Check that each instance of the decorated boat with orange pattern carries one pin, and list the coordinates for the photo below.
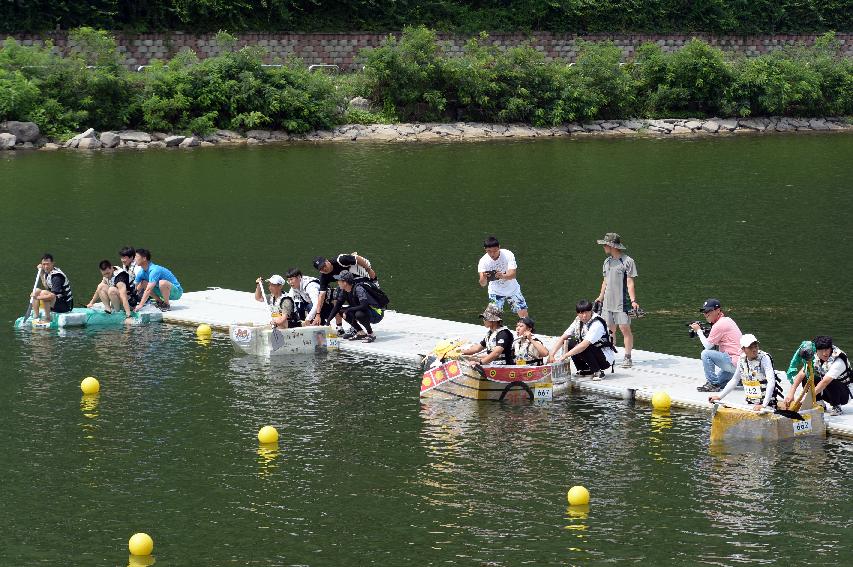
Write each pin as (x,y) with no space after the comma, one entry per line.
(462,378)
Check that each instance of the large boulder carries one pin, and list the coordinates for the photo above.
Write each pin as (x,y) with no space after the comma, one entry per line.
(134,136)
(174,140)
(190,142)
(75,141)
(23,131)
(7,141)
(359,103)
(110,139)
(89,144)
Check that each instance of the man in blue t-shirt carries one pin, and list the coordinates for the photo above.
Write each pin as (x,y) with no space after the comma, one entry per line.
(155,280)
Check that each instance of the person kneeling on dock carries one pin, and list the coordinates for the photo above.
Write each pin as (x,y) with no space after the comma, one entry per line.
(528,349)
(364,308)
(755,370)
(595,349)
(497,342)
(56,296)
(155,280)
(832,375)
(331,270)
(281,304)
(116,290)
(305,291)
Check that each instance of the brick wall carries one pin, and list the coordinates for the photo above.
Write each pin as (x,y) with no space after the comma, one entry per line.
(342,48)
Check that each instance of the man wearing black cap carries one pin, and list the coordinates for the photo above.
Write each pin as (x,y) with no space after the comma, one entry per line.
(330,270)
(721,346)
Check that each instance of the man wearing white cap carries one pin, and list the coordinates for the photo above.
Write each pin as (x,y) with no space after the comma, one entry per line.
(281,305)
(755,370)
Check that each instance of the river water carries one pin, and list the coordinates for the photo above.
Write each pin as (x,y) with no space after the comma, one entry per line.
(364,473)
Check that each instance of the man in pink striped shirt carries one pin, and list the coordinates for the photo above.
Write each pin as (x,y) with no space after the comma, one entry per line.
(721,346)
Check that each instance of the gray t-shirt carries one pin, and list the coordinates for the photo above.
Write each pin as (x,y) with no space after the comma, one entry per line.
(616,272)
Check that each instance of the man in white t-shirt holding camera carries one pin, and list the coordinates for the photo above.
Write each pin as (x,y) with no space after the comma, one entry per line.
(497,268)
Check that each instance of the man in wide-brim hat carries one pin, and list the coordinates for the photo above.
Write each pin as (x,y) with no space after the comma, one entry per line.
(618,295)
(498,340)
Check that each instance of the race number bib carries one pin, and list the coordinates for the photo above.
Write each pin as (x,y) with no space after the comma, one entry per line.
(803,427)
(543,392)
(752,390)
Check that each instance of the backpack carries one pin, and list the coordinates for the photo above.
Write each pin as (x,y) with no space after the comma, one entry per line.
(376,293)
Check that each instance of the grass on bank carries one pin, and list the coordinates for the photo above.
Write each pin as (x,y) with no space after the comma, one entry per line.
(410,79)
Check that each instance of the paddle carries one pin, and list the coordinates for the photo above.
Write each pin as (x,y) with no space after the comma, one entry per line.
(796,405)
(277,337)
(30,303)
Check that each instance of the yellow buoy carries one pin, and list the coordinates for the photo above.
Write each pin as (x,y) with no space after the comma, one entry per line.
(203,330)
(90,385)
(661,401)
(268,434)
(578,496)
(140,544)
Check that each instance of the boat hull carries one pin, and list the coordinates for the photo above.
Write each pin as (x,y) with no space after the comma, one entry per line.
(461,379)
(735,424)
(258,340)
(87,317)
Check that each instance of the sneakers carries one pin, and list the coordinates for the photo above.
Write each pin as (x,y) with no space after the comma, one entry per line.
(350,335)
(598,376)
(626,362)
(340,331)
(584,373)
(835,410)
(368,338)
(164,307)
(708,387)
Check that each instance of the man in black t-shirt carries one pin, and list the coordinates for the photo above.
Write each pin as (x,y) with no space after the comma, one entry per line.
(116,290)
(331,270)
(497,342)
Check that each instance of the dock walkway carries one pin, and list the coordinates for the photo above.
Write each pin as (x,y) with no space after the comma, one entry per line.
(408,337)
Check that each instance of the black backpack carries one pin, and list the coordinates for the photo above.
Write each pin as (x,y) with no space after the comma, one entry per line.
(376,293)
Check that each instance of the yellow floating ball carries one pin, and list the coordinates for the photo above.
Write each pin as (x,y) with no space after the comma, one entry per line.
(268,434)
(578,496)
(140,544)
(90,385)
(203,330)
(661,401)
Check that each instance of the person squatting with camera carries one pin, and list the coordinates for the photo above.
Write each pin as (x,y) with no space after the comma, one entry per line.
(721,346)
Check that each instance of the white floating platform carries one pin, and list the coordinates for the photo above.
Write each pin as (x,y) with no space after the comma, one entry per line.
(408,337)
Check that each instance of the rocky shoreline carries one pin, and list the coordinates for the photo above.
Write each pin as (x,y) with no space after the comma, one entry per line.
(26,135)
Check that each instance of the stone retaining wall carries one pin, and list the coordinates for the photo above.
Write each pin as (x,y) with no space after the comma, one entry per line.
(342,49)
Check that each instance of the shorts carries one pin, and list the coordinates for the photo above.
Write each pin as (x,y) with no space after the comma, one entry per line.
(516,301)
(613,318)
(62,305)
(175,293)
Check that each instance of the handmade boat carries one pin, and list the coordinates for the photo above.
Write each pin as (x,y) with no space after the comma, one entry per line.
(87,317)
(743,424)
(461,378)
(262,340)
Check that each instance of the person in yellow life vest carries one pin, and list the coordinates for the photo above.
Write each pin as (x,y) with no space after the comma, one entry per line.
(755,370)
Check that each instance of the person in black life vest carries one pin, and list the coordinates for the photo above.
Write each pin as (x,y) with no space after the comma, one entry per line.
(363,308)
(281,305)
(56,291)
(331,270)
(595,349)
(527,347)
(497,343)
(832,376)
(116,290)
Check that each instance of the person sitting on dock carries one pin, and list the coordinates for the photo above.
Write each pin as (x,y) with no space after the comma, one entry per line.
(55,294)
(527,347)
(363,308)
(725,336)
(755,370)
(305,291)
(498,341)
(157,281)
(281,304)
(497,269)
(331,270)
(116,290)
(595,348)
(832,375)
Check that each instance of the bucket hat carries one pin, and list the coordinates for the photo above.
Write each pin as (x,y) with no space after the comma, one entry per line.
(613,240)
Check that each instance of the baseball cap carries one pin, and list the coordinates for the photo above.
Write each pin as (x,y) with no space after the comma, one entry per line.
(319,261)
(530,323)
(347,277)
(747,340)
(276,279)
(709,305)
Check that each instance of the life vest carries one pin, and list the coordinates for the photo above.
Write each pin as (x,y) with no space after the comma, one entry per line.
(283,305)
(525,350)
(300,294)
(65,293)
(491,344)
(605,340)
(821,368)
(754,380)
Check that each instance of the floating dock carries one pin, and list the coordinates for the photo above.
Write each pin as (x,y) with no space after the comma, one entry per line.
(407,338)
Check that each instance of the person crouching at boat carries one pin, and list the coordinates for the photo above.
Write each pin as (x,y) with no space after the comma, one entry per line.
(832,375)
(498,341)
(156,281)
(116,291)
(55,293)
(364,310)
(755,370)
(127,256)
(528,349)
(331,270)
(305,291)
(281,304)
(596,347)
(571,338)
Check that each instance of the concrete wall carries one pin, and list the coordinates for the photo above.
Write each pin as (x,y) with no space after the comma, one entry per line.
(342,48)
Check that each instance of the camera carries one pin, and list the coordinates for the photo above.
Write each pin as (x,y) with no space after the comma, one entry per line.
(702,327)
(491,275)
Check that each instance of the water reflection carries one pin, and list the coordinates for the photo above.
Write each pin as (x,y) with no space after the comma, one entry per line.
(267,454)
(140,560)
